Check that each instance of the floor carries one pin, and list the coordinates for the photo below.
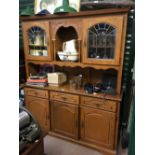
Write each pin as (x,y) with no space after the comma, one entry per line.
(56,146)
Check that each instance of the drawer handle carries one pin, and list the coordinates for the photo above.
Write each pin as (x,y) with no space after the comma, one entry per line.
(35,93)
(98,105)
(64,98)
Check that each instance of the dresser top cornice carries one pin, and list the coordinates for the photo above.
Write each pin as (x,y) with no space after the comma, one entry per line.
(77,14)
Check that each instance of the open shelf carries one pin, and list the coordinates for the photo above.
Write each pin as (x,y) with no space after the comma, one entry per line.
(66,40)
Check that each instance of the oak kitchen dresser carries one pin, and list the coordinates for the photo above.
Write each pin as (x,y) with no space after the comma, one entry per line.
(88,119)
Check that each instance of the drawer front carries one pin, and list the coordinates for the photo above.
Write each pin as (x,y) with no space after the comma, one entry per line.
(74,99)
(36,92)
(99,103)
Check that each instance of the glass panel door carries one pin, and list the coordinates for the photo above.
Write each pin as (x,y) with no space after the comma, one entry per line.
(37,42)
(101,41)
(36,36)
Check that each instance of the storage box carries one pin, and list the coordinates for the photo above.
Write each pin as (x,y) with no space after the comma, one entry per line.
(56,78)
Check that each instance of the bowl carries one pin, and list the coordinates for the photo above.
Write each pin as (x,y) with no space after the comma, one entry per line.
(62,55)
(73,57)
(68,56)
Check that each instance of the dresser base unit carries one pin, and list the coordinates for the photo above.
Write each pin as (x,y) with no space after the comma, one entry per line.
(90,120)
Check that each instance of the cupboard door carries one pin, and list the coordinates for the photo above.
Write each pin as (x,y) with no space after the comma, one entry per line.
(40,109)
(65,119)
(36,36)
(98,127)
(102,40)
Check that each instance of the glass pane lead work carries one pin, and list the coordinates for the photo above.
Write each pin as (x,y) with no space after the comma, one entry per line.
(37,41)
(101,41)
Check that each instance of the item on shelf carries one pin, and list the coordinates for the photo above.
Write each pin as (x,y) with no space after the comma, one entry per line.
(99,87)
(37,84)
(45,69)
(49,5)
(65,8)
(110,91)
(109,81)
(69,52)
(88,87)
(43,12)
(109,84)
(36,36)
(45,53)
(56,78)
(69,46)
(76,82)
(39,39)
(110,88)
(38,76)
(75,4)
(72,84)
(68,56)
(35,52)
(37,80)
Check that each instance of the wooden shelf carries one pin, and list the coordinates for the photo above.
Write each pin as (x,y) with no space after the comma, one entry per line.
(37,45)
(75,64)
(66,89)
(101,46)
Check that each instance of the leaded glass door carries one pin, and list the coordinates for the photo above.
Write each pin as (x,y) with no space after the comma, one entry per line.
(36,39)
(102,40)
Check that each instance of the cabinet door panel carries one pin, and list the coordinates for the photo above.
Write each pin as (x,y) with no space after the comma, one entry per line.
(102,40)
(36,36)
(98,127)
(40,109)
(65,119)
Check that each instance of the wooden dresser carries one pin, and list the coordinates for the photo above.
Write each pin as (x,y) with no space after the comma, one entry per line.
(73,114)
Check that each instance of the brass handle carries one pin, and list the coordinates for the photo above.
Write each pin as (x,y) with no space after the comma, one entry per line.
(97,105)
(64,98)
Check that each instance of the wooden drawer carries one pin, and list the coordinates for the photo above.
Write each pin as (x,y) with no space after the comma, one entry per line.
(99,103)
(36,92)
(64,97)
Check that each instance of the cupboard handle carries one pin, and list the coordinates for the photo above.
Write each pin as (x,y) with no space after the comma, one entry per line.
(82,124)
(85,42)
(76,123)
(46,118)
